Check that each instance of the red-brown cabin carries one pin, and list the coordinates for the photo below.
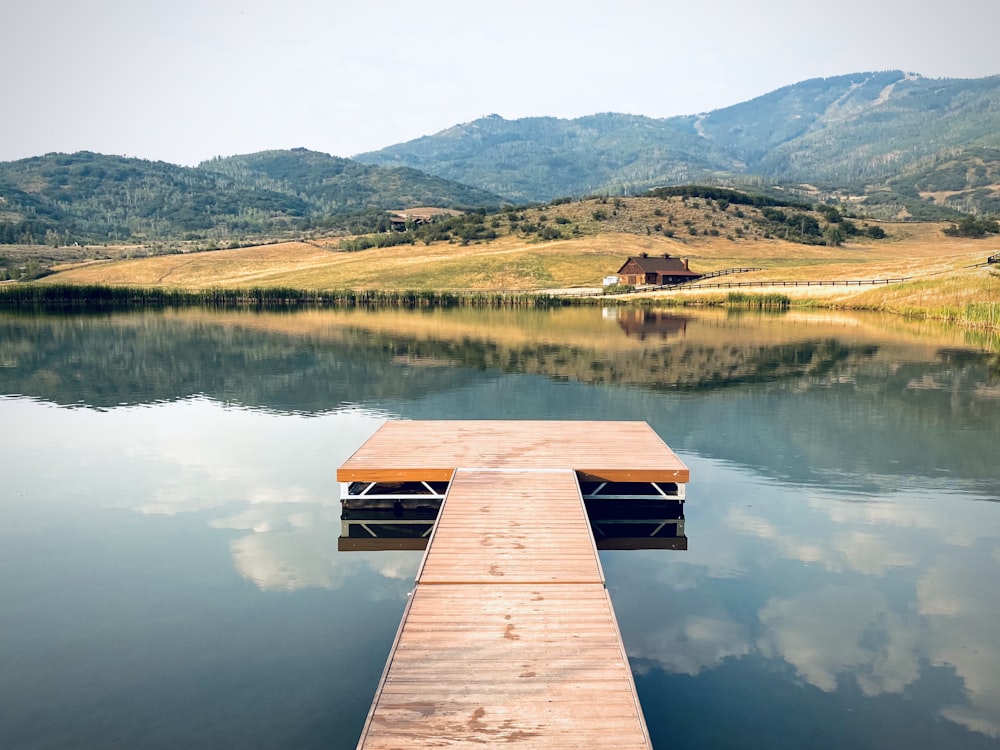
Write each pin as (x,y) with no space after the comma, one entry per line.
(655,270)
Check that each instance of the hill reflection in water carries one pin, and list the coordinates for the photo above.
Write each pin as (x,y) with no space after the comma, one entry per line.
(172,515)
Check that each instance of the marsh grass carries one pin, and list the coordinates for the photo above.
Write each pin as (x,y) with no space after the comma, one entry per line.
(770,301)
(741,300)
(969,298)
(68,296)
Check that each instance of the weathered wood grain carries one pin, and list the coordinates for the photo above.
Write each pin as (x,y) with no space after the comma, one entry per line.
(477,667)
(431,450)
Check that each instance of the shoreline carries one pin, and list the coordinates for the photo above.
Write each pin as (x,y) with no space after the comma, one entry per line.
(983,315)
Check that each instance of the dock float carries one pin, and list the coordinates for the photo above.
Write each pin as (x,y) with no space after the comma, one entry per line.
(509,635)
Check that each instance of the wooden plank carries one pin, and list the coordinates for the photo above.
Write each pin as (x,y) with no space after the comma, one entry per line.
(473,666)
(512,527)
(431,450)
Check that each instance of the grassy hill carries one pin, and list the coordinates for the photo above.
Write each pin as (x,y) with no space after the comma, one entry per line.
(671,212)
(597,235)
(893,145)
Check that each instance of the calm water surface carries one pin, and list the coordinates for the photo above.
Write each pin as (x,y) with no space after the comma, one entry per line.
(169,574)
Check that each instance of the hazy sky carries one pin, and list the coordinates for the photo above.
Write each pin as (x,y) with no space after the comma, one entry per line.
(187,80)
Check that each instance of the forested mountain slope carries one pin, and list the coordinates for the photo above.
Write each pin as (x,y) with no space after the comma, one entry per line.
(87,197)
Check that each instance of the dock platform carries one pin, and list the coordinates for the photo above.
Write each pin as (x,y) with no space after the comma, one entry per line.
(509,635)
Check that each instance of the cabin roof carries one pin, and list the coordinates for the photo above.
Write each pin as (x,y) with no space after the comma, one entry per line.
(661,264)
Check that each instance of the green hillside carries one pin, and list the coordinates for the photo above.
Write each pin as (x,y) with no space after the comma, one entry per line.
(540,158)
(333,186)
(94,198)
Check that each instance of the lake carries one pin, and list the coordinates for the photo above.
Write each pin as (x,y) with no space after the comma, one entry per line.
(169,552)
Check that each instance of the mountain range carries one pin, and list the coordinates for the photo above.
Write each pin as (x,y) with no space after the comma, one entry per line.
(884,135)
(890,144)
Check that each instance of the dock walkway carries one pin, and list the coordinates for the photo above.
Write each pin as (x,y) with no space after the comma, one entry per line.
(509,635)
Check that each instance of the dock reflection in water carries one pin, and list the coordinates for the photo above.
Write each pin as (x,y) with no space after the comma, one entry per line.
(402,516)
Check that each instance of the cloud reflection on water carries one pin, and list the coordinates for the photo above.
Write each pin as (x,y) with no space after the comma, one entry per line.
(872,593)
(960,601)
(841,630)
(271,478)
(308,558)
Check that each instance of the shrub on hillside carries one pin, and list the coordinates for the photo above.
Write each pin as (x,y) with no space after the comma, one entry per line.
(970,226)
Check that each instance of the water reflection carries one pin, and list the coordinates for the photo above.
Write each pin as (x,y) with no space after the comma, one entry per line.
(309,361)
(879,595)
(618,525)
(861,638)
(178,522)
(845,400)
(645,323)
(264,479)
(292,560)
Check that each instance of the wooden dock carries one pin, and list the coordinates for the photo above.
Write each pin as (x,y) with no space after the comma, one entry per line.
(509,635)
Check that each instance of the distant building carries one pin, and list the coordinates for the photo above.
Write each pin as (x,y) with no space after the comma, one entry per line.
(656,270)
(415,217)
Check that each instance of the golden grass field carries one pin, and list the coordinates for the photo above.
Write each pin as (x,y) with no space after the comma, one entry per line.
(938,264)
